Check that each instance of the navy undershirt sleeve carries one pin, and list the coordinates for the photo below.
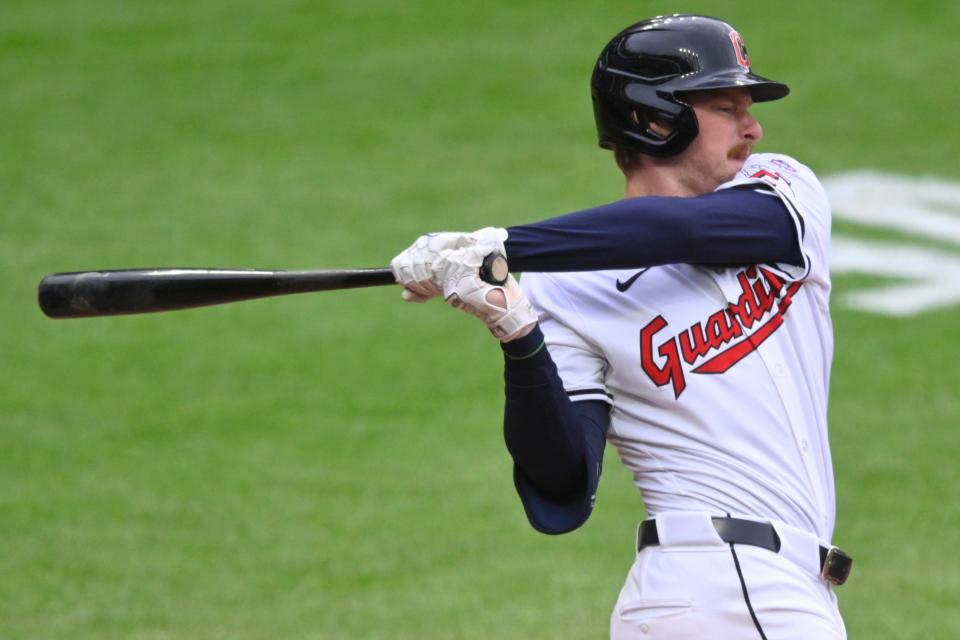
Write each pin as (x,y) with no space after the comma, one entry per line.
(736,226)
(557,445)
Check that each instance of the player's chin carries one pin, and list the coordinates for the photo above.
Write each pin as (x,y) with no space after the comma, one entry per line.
(736,161)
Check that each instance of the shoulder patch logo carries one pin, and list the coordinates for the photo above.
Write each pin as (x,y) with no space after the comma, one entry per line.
(783,164)
(770,177)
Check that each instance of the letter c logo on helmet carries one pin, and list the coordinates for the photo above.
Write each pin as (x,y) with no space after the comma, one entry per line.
(741,50)
(640,72)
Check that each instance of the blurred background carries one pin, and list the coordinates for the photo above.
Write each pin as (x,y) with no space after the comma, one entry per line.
(331,465)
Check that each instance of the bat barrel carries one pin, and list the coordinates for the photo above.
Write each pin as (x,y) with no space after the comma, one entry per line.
(107,293)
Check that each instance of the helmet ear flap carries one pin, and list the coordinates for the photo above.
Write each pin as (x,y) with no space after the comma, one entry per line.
(662,125)
(652,124)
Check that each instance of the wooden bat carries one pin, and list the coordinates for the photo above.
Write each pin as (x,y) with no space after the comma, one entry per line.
(128,291)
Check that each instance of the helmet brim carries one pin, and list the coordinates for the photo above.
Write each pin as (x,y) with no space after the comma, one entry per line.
(761,89)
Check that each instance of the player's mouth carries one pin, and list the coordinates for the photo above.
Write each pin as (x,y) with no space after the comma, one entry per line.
(740,153)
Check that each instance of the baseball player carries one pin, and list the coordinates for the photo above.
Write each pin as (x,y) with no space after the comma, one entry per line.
(688,325)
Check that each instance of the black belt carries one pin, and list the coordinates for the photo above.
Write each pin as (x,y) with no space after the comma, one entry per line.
(835,565)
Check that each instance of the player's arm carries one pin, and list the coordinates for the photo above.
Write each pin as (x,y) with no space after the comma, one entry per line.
(735,226)
(557,448)
(557,445)
(744,225)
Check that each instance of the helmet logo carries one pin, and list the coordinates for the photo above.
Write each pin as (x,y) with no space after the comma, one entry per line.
(741,50)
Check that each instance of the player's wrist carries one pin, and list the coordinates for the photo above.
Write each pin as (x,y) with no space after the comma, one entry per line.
(522,332)
(525,347)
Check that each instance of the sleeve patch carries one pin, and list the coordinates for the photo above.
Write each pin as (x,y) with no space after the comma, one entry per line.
(783,164)
(770,177)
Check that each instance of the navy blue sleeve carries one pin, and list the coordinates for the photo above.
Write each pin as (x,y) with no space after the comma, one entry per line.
(730,227)
(557,445)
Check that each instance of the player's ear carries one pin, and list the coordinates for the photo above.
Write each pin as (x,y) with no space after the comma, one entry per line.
(655,127)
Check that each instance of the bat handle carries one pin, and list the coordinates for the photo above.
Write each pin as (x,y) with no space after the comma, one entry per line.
(494,269)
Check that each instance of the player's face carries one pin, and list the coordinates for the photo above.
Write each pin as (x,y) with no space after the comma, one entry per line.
(728,132)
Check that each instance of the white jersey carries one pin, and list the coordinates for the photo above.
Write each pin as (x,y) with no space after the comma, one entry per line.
(717,378)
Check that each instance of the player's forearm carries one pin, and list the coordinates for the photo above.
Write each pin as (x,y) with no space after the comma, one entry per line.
(544,433)
(728,227)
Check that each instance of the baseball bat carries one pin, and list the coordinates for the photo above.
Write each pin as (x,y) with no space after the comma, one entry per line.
(129,291)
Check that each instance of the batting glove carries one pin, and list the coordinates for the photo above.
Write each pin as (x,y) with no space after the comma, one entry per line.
(504,309)
(413,267)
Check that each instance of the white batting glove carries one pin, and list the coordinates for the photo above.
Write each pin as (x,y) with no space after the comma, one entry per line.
(413,267)
(504,309)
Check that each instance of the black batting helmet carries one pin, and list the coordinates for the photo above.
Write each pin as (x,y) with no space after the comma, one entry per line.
(643,69)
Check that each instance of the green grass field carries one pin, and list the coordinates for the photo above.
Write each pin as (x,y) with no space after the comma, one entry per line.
(331,466)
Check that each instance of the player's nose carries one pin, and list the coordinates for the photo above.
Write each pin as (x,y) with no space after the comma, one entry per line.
(751,128)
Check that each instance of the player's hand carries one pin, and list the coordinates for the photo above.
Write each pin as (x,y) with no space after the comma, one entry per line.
(504,309)
(413,267)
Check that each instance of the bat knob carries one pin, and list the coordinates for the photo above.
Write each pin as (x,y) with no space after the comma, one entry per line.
(495,269)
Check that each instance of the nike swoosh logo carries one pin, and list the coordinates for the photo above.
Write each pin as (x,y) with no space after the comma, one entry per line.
(626,284)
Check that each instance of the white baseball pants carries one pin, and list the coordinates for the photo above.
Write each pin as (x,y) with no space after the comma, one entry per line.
(696,586)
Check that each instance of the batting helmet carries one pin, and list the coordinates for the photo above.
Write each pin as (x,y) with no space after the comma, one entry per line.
(642,73)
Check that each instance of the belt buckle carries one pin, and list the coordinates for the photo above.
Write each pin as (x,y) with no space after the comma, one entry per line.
(836,566)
